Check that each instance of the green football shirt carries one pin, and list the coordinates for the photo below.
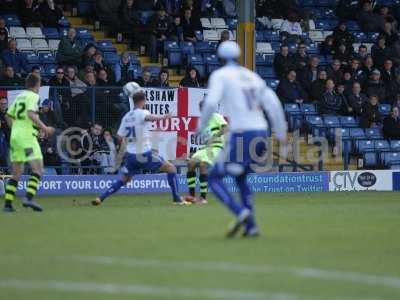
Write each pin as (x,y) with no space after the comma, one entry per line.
(215,124)
(23,127)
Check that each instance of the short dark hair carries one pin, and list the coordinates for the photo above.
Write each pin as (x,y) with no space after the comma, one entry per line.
(139,96)
(32,81)
(35,68)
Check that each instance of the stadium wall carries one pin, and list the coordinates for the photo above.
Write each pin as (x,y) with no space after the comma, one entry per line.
(377,180)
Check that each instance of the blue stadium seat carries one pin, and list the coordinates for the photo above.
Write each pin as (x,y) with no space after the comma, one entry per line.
(271,36)
(260,37)
(106,46)
(50,70)
(395,145)
(308,109)
(51,33)
(137,71)
(32,58)
(362,146)
(266,72)
(187,48)
(205,47)
(64,23)
(331,121)
(373,133)
(384,109)
(212,62)
(390,158)
(314,124)
(373,36)
(357,133)
(382,146)
(154,70)
(370,160)
(197,61)
(348,122)
(199,35)
(12,20)
(47,58)
(272,83)
(352,26)
(170,46)
(232,24)
(360,37)
(294,115)
(111,58)
(83,33)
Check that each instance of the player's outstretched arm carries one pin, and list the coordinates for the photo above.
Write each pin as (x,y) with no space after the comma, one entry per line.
(35,119)
(152,118)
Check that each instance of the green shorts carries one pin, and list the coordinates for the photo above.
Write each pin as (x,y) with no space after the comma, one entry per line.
(24,150)
(207,155)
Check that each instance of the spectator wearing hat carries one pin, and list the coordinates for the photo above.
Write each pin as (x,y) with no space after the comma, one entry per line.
(342,36)
(375,86)
(357,99)
(371,116)
(14,58)
(70,49)
(289,89)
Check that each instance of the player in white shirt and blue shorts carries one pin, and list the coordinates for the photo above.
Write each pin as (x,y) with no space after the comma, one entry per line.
(135,133)
(244,97)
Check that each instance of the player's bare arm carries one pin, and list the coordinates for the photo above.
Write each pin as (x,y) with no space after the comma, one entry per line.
(35,119)
(152,118)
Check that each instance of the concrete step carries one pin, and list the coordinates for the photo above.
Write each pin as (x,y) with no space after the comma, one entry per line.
(77,21)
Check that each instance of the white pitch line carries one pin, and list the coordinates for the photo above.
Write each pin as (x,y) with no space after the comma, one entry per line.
(143,290)
(328,275)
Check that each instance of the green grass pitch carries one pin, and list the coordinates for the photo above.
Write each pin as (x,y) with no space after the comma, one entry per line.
(313,246)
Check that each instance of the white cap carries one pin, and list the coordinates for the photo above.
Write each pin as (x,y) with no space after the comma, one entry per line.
(229,50)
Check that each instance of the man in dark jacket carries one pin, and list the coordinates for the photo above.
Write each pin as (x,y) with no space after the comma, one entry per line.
(108,13)
(342,36)
(10,79)
(189,26)
(283,62)
(145,80)
(375,86)
(29,13)
(381,52)
(160,25)
(309,74)
(391,124)
(290,91)
(50,14)
(70,49)
(368,20)
(357,99)
(371,116)
(301,57)
(330,102)
(16,59)
(318,86)
(334,71)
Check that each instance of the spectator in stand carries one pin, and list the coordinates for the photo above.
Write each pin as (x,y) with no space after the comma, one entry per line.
(301,57)
(291,29)
(86,69)
(346,107)
(342,36)
(49,13)
(191,79)
(36,70)
(130,22)
(162,81)
(394,88)
(387,73)
(176,31)
(160,25)
(380,52)
(3,121)
(60,92)
(356,71)
(327,47)
(309,74)
(368,20)
(384,12)
(225,36)
(368,67)
(111,149)
(145,80)
(362,53)
(390,34)
(100,64)
(173,7)
(49,152)
(391,124)
(70,49)
(371,116)
(290,91)
(330,102)
(29,13)
(10,79)
(145,5)
(107,12)
(14,58)
(318,86)
(79,103)
(357,99)
(334,71)
(283,62)
(103,78)
(347,81)
(343,54)
(375,86)
(88,54)
(47,114)
(124,69)
(189,26)
(3,36)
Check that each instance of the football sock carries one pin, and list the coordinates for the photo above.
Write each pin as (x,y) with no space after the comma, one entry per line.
(203,186)
(113,189)
(191,182)
(11,189)
(33,184)
(222,193)
(174,186)
(246,197)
